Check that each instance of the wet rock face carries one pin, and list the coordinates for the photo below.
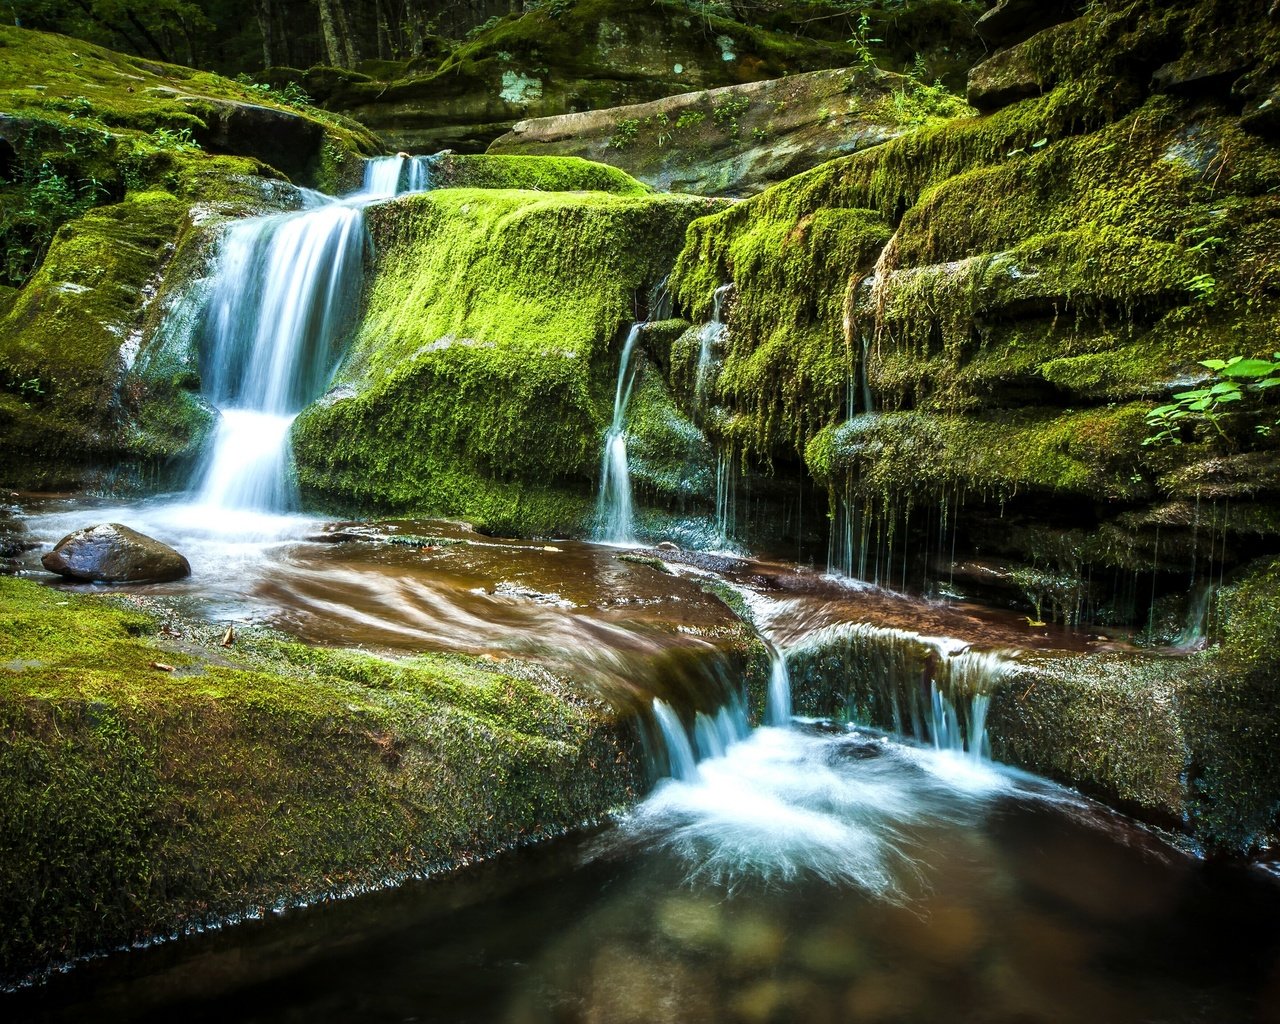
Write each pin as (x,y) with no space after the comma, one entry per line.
(112,553)
(1012,21)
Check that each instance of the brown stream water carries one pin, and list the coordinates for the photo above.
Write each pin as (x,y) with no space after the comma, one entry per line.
(807,873)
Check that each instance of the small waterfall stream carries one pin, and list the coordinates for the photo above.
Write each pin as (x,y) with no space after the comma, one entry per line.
(710,336)
(284,291)
(614,511)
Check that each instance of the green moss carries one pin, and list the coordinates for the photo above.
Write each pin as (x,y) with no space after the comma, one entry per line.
(267,773)
(669,457)
(787,362)
(66,329)
(536,173)
(1090,453)
(482,377)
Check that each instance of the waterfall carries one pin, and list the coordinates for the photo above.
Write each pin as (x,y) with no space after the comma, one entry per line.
(683,763)
(778,705)
(708,338)
(726,500)
(285,288)
(614,513)
(933,689)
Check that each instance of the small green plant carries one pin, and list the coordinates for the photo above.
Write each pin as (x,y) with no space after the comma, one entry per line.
(690,119)
(862,42)
(172,140)
(726,115)
(291,95)
(1238,379)
(1202,288)
(27,389)
(624,133)
(481,29)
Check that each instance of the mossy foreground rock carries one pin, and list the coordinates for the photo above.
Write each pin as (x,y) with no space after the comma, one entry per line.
(113,553)
(267,774)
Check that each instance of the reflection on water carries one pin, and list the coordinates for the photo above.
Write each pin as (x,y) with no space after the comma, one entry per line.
(808,875)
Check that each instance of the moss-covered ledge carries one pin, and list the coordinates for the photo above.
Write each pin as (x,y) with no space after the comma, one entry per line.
(140,802)
(1186,742)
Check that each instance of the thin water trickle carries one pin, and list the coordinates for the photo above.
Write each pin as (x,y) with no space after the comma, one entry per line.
(778,702)
(709,337)
(614,511)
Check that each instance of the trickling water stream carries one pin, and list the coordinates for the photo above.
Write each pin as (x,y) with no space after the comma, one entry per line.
(614,512)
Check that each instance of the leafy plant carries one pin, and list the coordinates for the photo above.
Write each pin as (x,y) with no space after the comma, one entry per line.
(1239,379)
(862,42)
(624,133)
(1202,288)
(291,95)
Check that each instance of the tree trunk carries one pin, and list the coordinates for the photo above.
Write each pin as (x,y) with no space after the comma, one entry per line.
(350,45)
(267,26)
(386,43)
(329,29)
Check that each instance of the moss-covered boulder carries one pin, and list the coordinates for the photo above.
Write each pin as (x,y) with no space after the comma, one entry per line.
(482,377)
(559,58)
(738,139)
(961,331)
(154,786)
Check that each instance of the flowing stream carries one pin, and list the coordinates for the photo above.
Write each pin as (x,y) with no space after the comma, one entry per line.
(614,512)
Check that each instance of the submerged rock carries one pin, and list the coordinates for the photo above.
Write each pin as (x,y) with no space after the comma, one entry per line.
(112,553)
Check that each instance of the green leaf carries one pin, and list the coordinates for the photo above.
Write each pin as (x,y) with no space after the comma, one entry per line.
(1214,364)
(1223,387)
(1270,382)
(1249,368)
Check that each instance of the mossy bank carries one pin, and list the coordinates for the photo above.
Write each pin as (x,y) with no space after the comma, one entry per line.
(259,775)
(961,332)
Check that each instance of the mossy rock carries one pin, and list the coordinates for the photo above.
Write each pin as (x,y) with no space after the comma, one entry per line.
(481,380)
(737,140)
(263,775)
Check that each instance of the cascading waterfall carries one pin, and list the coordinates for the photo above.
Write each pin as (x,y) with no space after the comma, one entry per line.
(924,687)
(614,510)
(778,703)
(284,290)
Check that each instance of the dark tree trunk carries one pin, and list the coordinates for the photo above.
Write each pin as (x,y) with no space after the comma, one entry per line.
(265,11)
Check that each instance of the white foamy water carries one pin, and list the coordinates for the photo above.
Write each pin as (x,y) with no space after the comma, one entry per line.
(282,302)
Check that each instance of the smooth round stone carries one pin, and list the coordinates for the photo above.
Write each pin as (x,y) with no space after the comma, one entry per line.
(112,553)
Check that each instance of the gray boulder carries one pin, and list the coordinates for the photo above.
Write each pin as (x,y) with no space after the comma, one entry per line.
(112,553)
